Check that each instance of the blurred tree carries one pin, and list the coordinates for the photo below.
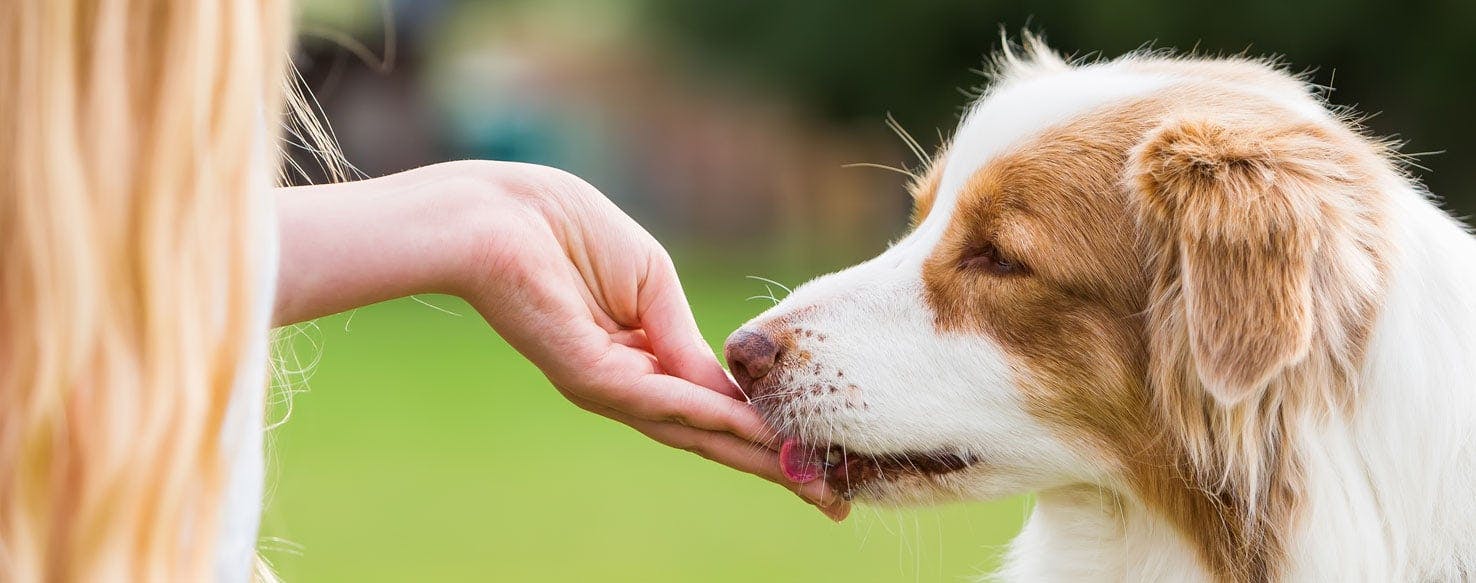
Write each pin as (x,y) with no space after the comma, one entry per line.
(857,60)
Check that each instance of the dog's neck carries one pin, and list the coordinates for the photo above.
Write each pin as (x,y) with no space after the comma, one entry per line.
(1409,456)
(1387,489)
(1088,533)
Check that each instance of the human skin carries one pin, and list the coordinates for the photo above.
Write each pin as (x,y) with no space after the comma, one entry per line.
(556,269)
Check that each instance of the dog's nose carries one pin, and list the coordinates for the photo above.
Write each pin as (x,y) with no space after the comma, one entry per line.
(751,355)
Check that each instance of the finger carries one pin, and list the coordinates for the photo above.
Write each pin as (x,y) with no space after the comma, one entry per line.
(744,457)
(666,398)
(625,350)
(667,319)
(633,338)
(734,453)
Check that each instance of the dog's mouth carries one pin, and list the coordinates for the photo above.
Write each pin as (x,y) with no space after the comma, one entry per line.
(847,471)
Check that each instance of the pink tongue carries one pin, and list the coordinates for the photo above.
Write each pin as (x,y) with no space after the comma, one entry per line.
(801,463)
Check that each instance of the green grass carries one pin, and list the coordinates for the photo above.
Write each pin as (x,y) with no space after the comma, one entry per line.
(426,449)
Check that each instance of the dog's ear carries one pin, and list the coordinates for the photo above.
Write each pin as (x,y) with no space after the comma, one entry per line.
(1234,213)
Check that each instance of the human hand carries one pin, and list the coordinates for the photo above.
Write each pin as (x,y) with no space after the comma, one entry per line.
(593,300)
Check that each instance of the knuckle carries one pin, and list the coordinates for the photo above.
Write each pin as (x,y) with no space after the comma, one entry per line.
(562,183)
(690,412)
(694,444)
(661,261)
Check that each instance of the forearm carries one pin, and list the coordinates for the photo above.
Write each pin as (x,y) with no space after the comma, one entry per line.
(352,244)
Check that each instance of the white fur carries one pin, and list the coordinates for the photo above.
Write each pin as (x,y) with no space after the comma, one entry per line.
(1389,490)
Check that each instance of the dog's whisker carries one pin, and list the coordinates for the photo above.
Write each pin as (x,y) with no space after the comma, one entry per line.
(768,281)
(902,171)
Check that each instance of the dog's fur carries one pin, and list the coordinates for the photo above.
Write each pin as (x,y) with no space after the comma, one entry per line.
(1211,324)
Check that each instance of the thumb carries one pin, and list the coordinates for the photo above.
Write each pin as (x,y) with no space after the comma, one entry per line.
(677,343)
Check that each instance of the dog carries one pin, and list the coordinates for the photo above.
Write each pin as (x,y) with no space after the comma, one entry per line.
(1215,328)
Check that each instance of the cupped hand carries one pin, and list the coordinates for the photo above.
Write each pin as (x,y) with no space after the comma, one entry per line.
(593,300)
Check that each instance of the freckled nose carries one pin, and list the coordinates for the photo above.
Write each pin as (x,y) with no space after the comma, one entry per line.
(751,355)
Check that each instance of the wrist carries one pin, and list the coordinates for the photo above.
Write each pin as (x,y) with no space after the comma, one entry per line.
(352,244)
(467,212)
(492,210)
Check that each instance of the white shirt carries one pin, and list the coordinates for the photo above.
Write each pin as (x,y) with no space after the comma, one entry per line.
(243,431)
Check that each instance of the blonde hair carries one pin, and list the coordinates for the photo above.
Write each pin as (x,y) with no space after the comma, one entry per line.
(128,274)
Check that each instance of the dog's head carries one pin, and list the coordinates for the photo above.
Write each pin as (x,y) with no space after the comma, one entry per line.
(1118,274)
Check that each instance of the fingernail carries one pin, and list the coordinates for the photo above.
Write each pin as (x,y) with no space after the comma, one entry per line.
(818,494)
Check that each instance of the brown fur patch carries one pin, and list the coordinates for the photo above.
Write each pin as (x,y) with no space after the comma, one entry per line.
(1272,228)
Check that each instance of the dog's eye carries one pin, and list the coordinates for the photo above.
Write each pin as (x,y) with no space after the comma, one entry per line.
(988,258)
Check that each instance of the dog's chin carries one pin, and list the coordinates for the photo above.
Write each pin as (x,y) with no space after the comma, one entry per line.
(913,491)
(979,481)
(890,478)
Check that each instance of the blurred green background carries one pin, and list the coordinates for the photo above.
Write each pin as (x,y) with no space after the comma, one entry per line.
(421,448)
